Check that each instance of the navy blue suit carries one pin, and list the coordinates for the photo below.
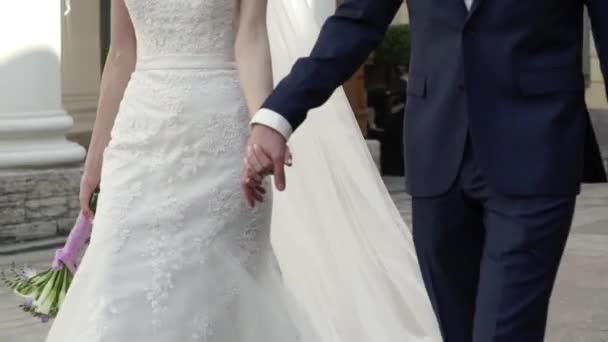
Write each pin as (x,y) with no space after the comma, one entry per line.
(497,141)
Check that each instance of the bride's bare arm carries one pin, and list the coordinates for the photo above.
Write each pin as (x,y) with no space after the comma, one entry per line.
(116,74)
(252,53)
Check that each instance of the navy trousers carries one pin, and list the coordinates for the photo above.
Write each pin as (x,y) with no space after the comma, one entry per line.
(489,261)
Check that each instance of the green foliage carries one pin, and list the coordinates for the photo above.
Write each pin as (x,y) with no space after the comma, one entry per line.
(395,48)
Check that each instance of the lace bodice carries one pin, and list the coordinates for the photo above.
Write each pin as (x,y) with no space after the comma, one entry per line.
(184,27)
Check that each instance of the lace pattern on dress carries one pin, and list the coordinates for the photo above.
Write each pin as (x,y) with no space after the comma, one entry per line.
(160,26)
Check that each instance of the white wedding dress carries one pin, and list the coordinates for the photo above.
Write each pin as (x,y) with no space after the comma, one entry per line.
(176,255)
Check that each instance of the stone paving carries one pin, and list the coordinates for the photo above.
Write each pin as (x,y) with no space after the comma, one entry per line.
(16,325)
(579,310)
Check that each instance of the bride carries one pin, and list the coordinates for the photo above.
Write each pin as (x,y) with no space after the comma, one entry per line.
(176,254)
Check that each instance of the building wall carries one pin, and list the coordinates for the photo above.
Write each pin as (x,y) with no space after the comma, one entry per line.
(402,16)
(596,94)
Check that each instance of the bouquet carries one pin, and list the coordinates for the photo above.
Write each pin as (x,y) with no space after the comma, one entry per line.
(44,292)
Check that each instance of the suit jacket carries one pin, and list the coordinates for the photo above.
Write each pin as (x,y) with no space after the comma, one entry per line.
(507,74)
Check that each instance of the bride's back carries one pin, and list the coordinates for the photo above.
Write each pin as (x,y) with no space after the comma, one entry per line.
(184,27)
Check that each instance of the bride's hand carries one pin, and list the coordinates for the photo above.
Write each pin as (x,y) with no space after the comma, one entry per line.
(255,172)
(267,153)
(88,184)
(252,186)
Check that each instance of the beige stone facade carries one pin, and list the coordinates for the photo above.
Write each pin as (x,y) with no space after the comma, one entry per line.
(81,65)
(596,93)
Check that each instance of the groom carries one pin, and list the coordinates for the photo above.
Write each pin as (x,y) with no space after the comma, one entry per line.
(497,142)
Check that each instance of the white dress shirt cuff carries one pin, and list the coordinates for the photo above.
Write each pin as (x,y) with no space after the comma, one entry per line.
(273,120)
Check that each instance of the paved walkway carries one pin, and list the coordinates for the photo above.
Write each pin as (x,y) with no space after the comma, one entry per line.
(579,310)
(16,325)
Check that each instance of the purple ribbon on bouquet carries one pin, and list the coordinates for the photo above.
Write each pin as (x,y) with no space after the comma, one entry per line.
(68,255)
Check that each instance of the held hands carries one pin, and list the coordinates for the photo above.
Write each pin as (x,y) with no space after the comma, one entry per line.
(267,154)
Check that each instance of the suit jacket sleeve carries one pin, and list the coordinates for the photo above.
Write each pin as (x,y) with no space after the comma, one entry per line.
(598,13)
(346,40)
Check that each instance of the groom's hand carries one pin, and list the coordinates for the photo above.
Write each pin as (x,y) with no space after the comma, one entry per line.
(267,153)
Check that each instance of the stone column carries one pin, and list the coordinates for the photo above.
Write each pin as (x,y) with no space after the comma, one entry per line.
(81,66)
(596,92)
(33,123)
(402,16)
